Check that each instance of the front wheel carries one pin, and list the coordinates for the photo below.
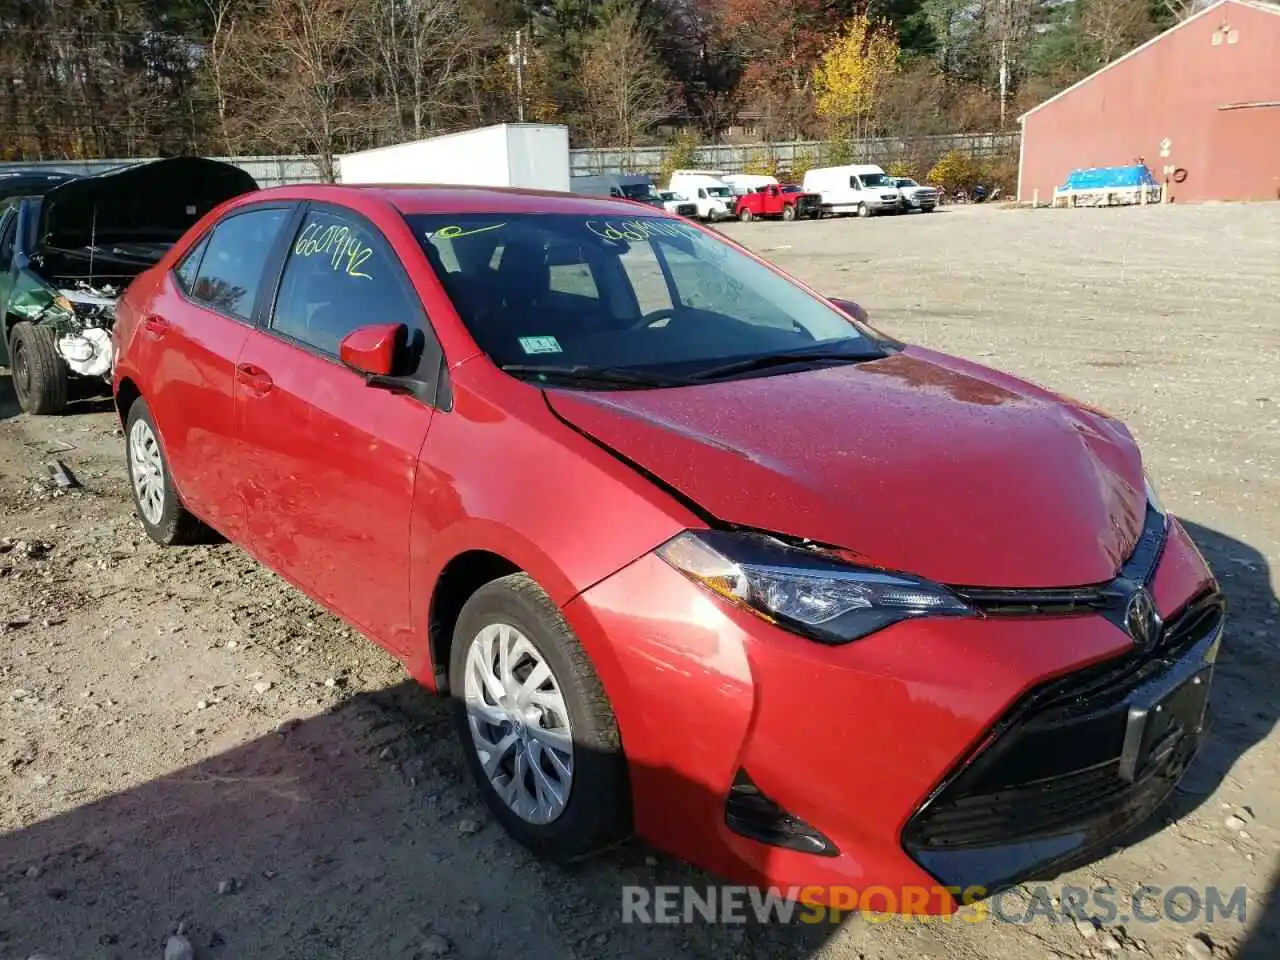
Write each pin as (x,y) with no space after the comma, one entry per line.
(745,215)
(789,212)
(863,210)
(40,376)
(539,733)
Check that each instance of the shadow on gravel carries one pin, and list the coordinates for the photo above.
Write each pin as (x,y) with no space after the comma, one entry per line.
(335,850)
(83,396)
(1246,700)
(357,833)
(8,399)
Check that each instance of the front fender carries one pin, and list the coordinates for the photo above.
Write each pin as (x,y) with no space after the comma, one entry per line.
(501,473)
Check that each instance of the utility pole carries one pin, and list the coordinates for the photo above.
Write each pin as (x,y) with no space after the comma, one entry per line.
(518,58)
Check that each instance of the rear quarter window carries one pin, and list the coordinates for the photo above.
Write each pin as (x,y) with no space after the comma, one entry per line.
(230,271)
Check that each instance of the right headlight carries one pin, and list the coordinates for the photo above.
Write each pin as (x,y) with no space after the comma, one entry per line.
(805,591)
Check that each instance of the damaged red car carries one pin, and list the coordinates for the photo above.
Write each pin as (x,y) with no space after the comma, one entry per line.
(695,551)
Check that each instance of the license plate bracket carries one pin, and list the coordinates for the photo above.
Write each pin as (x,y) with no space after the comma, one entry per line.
(1162,715)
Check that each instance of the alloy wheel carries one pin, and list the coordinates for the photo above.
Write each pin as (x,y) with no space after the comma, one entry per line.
(519,723)
(147,470)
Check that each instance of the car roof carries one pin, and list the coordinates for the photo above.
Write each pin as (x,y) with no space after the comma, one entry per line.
(432,198)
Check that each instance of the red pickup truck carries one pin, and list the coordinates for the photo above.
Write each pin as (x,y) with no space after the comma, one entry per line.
(779,200)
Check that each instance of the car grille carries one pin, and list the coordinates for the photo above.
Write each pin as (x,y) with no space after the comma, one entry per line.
(1072,763)
(807,204)
(1050,774)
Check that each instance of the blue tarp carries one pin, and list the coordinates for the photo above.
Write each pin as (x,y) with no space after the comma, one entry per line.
(1110,178)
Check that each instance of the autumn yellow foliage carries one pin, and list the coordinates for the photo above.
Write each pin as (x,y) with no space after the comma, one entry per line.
(851,75)
(954,171)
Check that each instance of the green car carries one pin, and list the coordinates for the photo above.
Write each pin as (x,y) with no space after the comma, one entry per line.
(70,245)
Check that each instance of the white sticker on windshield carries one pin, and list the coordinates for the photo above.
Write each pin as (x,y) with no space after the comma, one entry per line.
(540,345)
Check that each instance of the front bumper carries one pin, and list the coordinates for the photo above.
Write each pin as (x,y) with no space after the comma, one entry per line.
(925,202)
(867,743)
(1079,760)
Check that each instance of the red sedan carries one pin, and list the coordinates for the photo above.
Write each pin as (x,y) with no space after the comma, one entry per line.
(695,551)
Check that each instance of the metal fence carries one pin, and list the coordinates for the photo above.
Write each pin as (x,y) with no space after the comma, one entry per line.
(792,155)
(273,171)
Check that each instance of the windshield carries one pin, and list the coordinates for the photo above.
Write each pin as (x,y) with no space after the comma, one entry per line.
(642,293)
(876,180)
(639,191)
(906,182)
(792,188)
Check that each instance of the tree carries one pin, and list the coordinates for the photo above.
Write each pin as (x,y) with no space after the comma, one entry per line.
(429,65)
(779,42)
(223,16)
(625,88)
(851,77)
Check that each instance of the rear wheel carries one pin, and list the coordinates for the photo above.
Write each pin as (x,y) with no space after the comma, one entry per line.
(789,212)
(39,374)
(158,505)
(539,733)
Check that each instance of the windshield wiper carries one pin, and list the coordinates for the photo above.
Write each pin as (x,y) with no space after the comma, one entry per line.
(585,374)
(779,359)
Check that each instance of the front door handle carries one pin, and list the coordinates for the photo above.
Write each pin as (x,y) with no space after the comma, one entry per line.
(256,380)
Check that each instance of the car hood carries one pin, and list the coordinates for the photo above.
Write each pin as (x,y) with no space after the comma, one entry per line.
(144,203)
(917,462)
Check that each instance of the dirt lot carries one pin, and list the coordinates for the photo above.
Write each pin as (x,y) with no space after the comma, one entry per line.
(186,741)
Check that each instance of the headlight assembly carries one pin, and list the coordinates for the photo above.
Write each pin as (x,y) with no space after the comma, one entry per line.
(802,590)
(1152,497)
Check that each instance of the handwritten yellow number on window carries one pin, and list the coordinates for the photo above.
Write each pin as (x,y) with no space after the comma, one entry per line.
(455,231)
(346,253)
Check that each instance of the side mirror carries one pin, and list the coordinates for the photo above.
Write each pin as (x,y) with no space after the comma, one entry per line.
(853,309)
(374,349)
(856,311)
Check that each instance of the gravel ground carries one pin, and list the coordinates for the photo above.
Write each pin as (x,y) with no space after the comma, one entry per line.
(188,746)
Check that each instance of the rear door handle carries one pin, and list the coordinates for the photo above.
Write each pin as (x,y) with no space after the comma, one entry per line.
(256,380)
(155,325)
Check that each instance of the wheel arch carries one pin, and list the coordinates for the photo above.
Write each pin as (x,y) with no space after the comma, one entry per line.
(127,393)
(459,579)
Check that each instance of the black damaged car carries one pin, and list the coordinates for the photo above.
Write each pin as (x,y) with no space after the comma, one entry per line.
(69,245)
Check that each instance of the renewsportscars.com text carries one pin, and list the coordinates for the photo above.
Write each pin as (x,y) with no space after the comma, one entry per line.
(1043,904)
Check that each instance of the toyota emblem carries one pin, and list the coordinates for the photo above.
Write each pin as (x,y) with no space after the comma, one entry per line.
(1141,619)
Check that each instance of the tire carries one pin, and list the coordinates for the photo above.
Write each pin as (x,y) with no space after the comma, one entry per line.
(864,211)
(596,811)
(745,215)
(789,212)
(39,375)
(171,524)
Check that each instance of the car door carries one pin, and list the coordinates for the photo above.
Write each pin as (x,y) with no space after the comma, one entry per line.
(8,236)
(331,462)
(187,343)
(772,200)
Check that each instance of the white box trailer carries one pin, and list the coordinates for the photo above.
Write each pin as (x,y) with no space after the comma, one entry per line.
(533,155)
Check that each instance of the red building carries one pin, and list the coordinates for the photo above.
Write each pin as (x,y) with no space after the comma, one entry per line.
(1199,105)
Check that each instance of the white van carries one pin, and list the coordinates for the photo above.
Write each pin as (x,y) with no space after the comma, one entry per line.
(744,183)
(706,188)
(861,188)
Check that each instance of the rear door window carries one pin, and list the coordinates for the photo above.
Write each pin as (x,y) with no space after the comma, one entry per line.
(230,272)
